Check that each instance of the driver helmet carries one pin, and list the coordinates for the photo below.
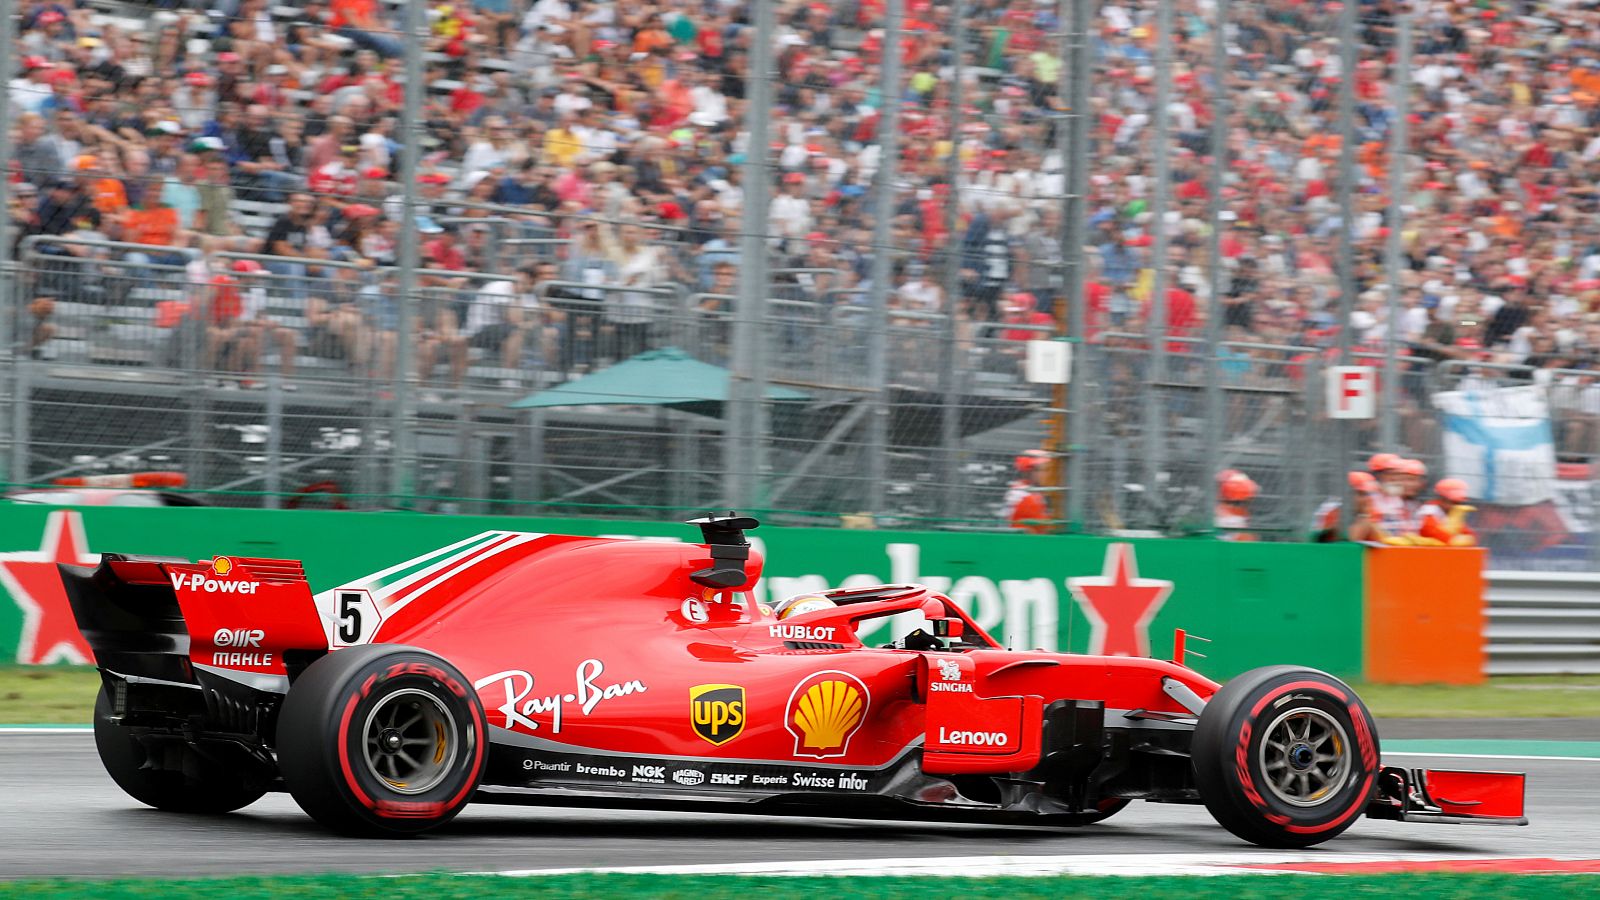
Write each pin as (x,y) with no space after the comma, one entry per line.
(801,603)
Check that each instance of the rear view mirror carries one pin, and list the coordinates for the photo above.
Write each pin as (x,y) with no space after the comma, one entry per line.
(940,622)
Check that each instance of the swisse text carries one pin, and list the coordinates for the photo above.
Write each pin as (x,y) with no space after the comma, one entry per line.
(848,781)
(802,632)
(974,738)
(201,583)
(587,695)
(238,637)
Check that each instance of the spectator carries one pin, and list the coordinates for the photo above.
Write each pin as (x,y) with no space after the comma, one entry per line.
(497,322)
(263,172)
(38,155)
(291,239)
(358,21)
(156,225)
(631,313)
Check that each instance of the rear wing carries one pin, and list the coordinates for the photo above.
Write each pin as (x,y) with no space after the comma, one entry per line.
(158,617)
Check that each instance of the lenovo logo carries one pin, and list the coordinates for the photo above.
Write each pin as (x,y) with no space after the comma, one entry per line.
(974,738)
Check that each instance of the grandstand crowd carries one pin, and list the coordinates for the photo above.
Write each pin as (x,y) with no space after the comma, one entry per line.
(254,149)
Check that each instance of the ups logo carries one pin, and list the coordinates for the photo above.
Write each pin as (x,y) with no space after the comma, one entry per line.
(717,711)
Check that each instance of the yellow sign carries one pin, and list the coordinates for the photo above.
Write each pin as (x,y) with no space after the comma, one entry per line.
(717,712)
(824,712)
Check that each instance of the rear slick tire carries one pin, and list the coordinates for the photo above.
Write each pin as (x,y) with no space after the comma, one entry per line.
(1285,757)
(381,741)
(185,781)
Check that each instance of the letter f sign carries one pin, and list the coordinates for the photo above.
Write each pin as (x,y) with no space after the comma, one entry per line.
(1352,392)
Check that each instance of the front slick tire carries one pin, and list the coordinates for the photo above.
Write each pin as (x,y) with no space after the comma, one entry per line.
(381,741)
(1285,756)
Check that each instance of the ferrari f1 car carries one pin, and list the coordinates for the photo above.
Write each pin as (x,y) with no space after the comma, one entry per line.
(559,670)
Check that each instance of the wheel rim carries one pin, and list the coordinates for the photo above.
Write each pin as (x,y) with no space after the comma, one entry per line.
(409,741)
(1305,756)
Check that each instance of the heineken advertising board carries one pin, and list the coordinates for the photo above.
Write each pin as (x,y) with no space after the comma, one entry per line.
(1256,603)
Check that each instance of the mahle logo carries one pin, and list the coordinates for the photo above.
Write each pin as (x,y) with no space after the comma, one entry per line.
(717,712)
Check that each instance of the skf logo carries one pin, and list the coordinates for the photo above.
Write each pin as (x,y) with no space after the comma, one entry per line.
(824,712)
(717,712)
(221,565)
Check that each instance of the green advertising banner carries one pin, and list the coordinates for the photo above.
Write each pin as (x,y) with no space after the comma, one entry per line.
(1258,604)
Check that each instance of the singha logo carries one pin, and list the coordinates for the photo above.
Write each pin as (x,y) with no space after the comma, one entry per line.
(949,670)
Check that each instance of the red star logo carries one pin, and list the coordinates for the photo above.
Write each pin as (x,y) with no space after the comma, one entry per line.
(1119,604)
(49,632)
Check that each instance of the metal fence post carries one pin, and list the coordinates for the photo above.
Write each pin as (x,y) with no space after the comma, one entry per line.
(1212,451)
(1156,325)
(1389,425)
(20,409)
(273,481)
(8,275)
(403,461)
(949,383)
(883,262)
(744,429)
(1073,400)
(1347,281)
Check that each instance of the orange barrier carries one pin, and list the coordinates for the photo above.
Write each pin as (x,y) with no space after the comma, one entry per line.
(1424,615)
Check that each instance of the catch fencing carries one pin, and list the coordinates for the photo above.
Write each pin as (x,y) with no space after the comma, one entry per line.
(277,382)
(851,288)
(1543,623)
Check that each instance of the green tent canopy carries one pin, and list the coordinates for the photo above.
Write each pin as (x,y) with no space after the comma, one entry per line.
(667,377)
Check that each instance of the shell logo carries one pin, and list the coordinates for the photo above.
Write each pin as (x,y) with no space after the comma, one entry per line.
(221,565)
(824,712)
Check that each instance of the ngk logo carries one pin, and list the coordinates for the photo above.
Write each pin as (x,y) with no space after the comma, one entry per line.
(238,637)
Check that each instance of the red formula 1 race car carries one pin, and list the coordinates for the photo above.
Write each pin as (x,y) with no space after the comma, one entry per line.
(549,669)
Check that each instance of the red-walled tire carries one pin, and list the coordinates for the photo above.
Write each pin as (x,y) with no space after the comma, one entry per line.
(1285,756)
(381,741)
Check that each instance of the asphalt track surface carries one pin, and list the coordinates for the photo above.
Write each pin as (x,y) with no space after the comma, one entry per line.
(64,817)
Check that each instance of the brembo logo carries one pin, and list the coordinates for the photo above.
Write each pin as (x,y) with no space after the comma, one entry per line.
(201,583)
(974,738)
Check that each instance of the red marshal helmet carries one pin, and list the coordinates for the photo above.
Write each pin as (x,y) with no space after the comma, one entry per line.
(1239,488)
(1452,489)
(1383,462)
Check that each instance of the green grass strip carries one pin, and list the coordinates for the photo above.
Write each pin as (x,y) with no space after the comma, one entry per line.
(728,887)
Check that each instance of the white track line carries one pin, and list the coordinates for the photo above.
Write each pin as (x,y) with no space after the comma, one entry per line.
(46,729)
(1133,864)
(1492,756)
